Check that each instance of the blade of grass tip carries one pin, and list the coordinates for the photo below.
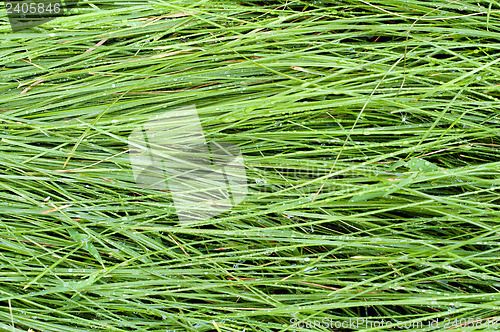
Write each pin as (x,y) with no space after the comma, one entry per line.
(458,79)
(11,316)
(88,128)
(408,37)
(488,16)
(53,265)
(270,69)
(438,119)
(216,326)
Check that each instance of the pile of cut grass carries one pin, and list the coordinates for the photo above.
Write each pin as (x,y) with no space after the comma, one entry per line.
(371,141)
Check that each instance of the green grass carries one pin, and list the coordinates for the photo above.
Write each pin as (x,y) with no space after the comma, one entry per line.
(371,141)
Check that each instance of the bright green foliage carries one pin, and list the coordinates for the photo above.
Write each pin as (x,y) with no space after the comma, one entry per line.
(371,136)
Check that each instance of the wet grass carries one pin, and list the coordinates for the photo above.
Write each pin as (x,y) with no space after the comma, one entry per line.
(371,140)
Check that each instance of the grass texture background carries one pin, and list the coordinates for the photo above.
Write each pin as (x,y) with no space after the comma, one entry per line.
(371,141)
